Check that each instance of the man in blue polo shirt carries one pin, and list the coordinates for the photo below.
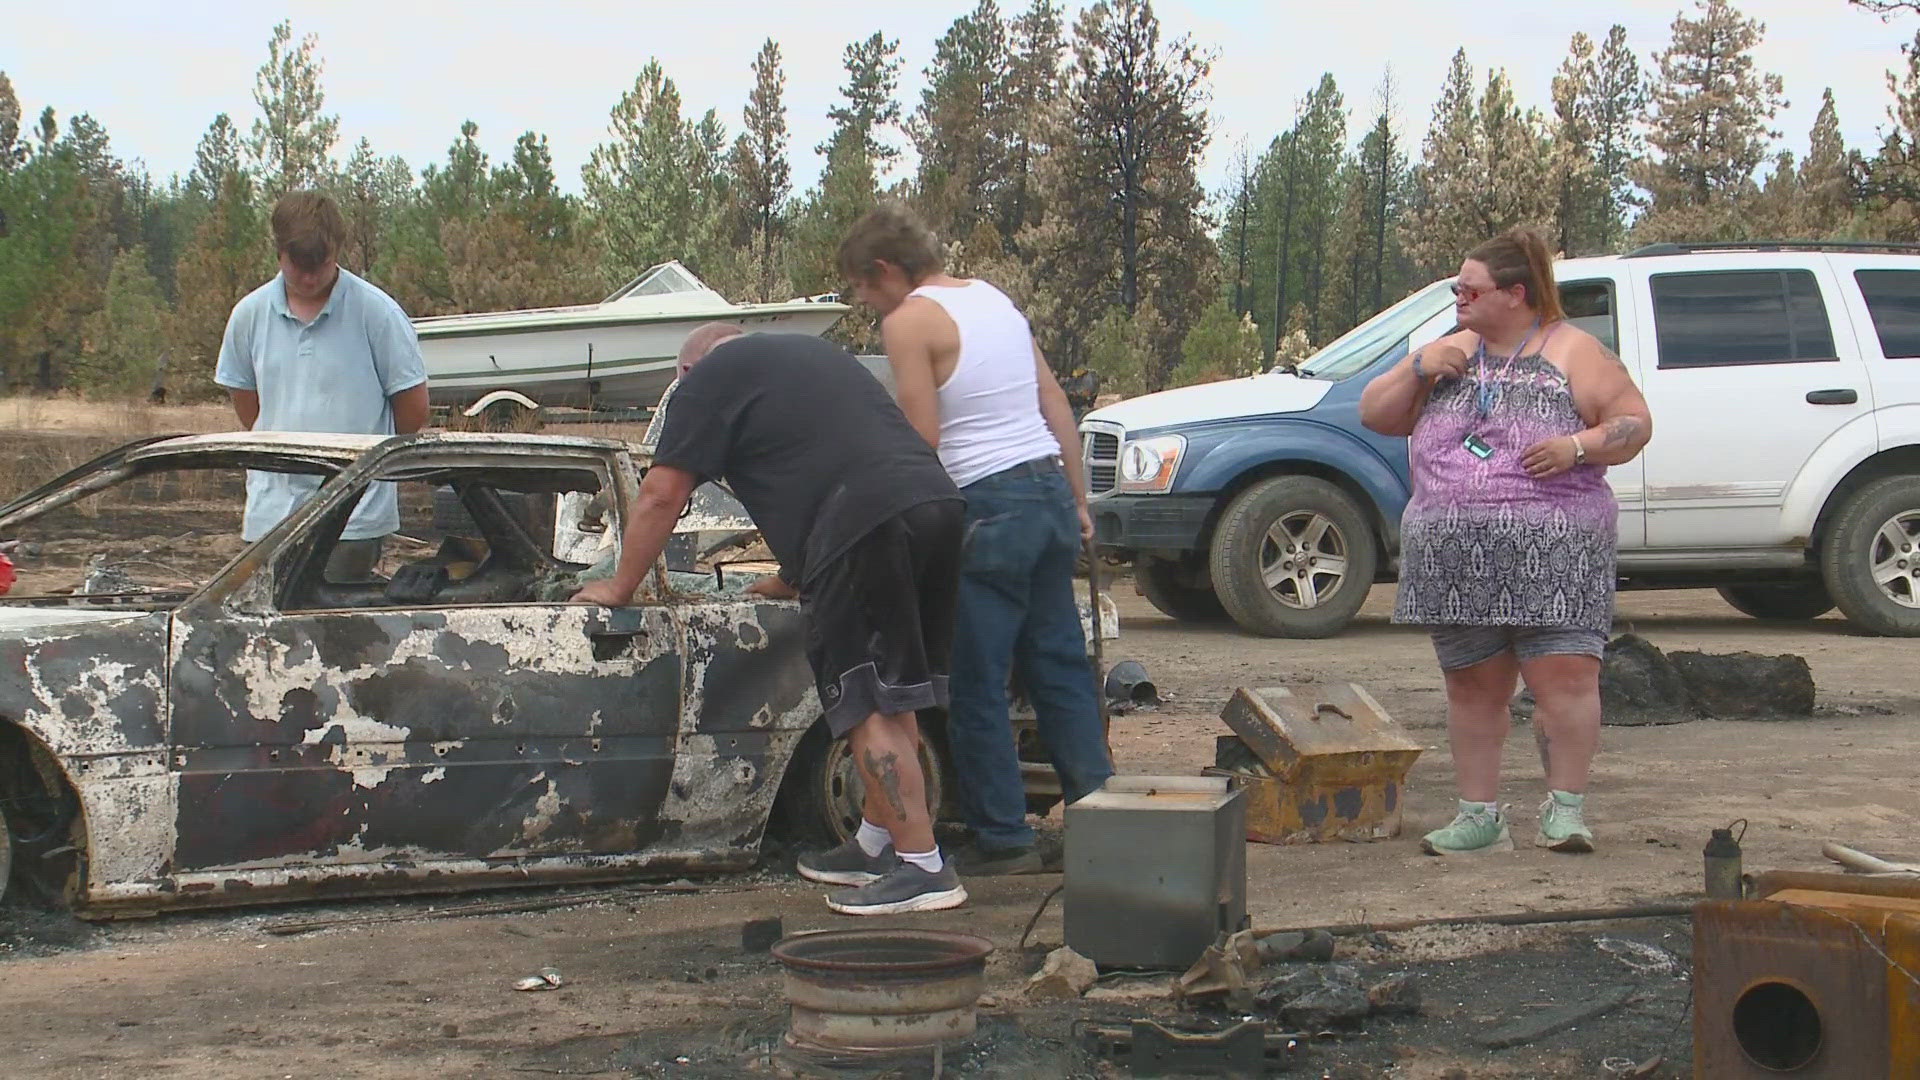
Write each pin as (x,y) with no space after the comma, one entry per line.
(320,349)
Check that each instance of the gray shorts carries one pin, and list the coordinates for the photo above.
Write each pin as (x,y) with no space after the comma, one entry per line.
(1464,646)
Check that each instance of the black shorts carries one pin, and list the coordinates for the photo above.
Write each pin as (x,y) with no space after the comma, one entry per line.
(880,617)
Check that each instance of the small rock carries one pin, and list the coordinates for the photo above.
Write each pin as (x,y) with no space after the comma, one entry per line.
(988,1001)
(1396,995)
(1316,998)
(451,1031)
(1066,974)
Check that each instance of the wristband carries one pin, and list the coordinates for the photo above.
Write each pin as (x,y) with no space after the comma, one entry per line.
(1417,373)
(1579,451)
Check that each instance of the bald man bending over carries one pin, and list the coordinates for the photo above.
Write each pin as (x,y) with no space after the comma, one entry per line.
(867,528)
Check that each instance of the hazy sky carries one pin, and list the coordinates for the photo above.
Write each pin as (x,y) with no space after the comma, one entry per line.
(405,74)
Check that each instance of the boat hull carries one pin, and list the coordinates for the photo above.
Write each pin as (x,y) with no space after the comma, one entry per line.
(580,362)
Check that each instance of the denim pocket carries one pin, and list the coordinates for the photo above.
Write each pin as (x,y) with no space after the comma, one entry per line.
(998,546)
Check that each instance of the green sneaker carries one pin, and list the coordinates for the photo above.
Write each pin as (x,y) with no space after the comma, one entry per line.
(1563,826)
(1474,830)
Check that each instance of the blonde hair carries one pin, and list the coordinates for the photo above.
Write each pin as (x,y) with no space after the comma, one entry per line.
(1520,257)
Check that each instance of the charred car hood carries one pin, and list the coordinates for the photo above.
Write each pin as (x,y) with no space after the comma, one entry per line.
(17,619)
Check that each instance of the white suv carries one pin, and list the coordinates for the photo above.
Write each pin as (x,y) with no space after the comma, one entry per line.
(1784,381)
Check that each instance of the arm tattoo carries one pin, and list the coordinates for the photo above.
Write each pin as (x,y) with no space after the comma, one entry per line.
(1621,431)
(1613,356)
(886,769)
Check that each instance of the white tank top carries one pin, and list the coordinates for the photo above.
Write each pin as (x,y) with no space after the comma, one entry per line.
(990,406)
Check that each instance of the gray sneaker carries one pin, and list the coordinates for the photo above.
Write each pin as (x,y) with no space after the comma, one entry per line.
(907,888)
(846,865)
(976,861)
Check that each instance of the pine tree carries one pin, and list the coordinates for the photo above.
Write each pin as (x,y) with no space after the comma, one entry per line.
(1828,178)
(1236,239)
(1578,188)
(13,152)
(1893,176)
(229,256)
(871,107)
(1487,167)
(1034,83)
(961,161)
(650,188)
(1124,224)
(126,336)
(293,139)
(1618,100)
(1322,142)
(760,166)
(1709,124)
(1384,172)
(217,155)
(1434,232)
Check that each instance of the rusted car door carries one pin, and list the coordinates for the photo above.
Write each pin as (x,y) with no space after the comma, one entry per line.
(448,738)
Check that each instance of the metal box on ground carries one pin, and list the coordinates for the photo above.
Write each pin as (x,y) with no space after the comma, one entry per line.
(1818,979)
(1156,869)
(1317,762)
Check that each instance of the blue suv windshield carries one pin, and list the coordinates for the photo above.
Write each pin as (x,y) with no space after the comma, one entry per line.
(1359,347)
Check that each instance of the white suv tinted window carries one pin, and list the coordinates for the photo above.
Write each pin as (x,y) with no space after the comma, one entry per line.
(1893,299)
(1589,306)
(1740,317)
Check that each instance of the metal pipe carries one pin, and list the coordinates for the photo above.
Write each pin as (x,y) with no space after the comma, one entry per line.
(1506,918)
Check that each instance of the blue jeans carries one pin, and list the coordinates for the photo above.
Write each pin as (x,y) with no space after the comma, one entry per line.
(1018,615)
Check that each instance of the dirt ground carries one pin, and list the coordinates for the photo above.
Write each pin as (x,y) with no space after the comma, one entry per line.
(658,985)
(652,980)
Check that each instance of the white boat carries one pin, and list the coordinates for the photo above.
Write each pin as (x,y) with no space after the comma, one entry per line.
(618,353)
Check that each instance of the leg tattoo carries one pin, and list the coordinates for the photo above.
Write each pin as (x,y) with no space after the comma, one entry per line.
(886,769)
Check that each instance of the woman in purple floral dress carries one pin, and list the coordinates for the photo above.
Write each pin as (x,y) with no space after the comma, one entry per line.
(1507,548)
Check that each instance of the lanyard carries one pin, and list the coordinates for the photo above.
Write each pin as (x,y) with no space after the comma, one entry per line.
(1486,396)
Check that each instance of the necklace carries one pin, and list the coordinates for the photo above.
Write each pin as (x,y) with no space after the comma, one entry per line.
(1486,396)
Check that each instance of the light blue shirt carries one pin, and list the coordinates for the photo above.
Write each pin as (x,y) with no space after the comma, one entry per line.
(335,374)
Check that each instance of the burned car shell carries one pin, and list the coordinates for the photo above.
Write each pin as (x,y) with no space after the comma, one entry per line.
(225,751)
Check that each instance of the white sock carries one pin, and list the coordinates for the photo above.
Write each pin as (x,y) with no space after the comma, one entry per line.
(1480,809)
(872,838)
(930,861)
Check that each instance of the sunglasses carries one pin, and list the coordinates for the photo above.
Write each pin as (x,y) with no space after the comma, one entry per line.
(1468,293)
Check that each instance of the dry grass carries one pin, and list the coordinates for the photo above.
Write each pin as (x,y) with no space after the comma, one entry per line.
(128,419)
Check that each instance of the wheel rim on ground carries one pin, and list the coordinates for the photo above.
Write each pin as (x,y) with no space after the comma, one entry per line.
(1303,559)
(1895,558)
(843,787)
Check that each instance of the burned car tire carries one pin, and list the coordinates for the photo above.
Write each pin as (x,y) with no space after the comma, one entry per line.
(1809,600)
(1870,557)
(1294,557)
(819,801)
(1160,582)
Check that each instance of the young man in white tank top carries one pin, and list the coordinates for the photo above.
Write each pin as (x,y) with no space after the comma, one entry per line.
(972,381)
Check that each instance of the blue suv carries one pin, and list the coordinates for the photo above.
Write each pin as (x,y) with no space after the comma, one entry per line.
(1263,498)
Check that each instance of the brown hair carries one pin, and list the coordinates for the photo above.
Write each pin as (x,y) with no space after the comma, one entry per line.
(308,228)
(889,233)
(1519,257)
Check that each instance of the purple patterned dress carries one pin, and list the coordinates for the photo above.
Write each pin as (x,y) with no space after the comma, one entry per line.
(1483,543)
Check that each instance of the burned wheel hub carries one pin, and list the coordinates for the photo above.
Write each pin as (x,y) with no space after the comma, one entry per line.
(882,991)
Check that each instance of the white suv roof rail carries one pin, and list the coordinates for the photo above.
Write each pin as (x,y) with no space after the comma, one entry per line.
(1688,248)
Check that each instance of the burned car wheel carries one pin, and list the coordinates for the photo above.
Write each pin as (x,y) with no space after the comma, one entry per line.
(820,800)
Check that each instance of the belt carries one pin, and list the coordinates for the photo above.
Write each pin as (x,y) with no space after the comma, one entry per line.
(1040,466)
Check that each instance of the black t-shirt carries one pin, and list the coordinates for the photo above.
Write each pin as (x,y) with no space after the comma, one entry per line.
(811,443)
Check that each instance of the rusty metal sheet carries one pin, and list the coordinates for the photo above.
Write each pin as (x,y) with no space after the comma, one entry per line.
(1799,990)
